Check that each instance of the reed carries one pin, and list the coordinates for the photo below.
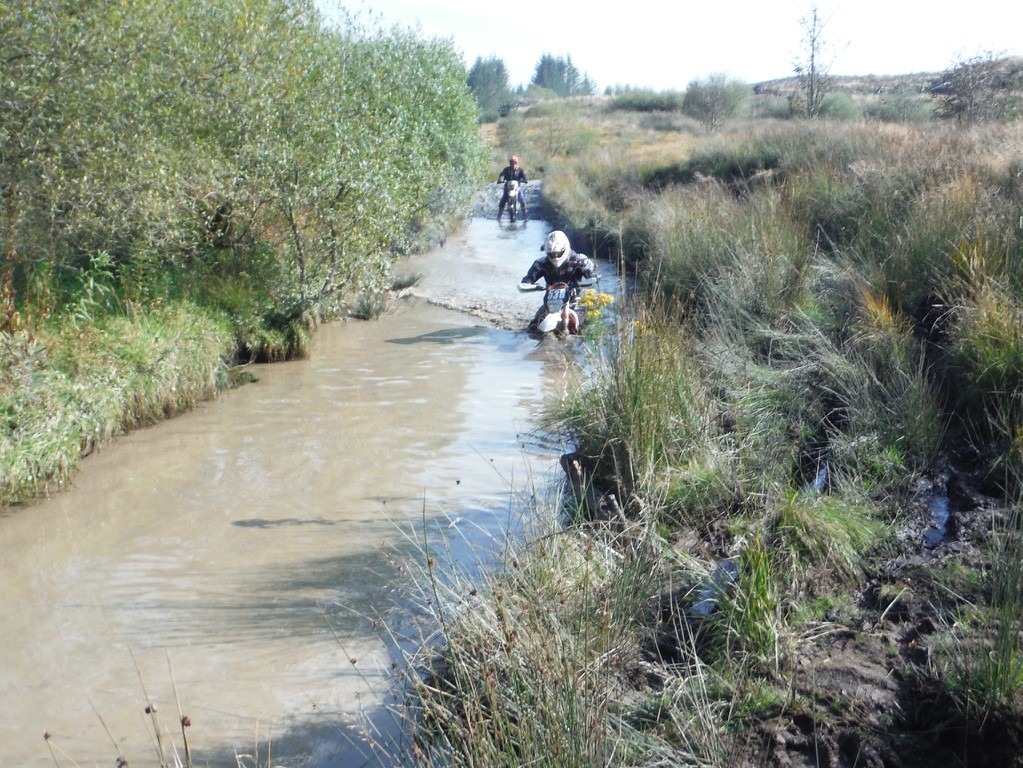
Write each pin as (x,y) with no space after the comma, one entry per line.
(987,337)
(644,415)
(978,667)
(543,663)
(747,631)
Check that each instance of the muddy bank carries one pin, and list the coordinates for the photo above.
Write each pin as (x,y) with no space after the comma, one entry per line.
(862,680)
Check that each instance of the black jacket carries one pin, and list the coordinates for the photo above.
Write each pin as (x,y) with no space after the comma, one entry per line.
(513,173)
(576,268)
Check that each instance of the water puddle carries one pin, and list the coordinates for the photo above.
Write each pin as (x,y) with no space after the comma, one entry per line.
(715,588)
(939,510)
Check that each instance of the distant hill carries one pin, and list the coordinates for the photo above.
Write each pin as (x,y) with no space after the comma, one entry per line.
(863,85)
(860,85)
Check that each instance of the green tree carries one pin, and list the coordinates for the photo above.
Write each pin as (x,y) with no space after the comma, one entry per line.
(63,68)
(715,99)
(488,80)
(562,77)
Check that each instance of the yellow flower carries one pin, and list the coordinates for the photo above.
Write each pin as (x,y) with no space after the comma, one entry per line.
(591,300)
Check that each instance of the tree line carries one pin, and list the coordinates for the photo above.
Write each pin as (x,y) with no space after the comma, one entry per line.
(987,86)
(553,76)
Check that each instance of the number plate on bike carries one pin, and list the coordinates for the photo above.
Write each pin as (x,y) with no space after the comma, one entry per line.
(557,296)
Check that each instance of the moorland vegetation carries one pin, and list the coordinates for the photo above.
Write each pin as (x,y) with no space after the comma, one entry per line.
(825,348)
(809,416)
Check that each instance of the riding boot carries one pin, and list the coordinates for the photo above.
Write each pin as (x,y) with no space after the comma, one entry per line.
(500,211)
(533,327)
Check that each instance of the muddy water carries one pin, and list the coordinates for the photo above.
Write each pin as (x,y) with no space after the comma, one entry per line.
(242,553)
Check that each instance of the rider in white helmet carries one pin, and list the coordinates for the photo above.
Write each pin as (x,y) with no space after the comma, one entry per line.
(559,264)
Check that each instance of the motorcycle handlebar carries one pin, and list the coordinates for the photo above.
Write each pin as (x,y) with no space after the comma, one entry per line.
(586,282)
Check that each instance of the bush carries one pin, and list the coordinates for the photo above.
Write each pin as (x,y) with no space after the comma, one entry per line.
(900,108)
(716,99)
(669,122)
(648,101)
(839,106)
(767,107)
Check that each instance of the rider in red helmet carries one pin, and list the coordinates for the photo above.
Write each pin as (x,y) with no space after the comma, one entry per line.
(513,171)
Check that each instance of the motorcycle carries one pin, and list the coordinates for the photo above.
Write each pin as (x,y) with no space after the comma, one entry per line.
(510,197)
(558,313)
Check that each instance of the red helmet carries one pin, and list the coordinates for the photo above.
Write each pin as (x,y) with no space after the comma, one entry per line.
(514,160)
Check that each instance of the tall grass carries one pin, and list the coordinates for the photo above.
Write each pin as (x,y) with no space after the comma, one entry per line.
(827,312)
(748,629)
(546,663)
(987,338)
(506,695)
(68,389)
(980,658)
(645,418)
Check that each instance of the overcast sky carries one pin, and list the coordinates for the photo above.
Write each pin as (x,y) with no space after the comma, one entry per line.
(665,44)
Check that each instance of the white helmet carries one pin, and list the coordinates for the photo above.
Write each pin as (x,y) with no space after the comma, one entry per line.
(557,248)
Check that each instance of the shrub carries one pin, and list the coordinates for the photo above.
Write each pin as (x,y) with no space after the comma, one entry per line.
(648,101)
(900,108)
(715,99)
(839,106)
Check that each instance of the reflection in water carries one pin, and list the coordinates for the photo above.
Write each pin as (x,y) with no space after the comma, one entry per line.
(247,550)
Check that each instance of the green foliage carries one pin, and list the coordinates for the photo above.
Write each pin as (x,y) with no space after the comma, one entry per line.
(818,538)
(308,140)
(511,132)
(644,415)
(488,80)
(715,99)
(648,101)
(369,306)
(900,107)
(825,293)
(813,272)
(982,664)
(735,164)
(839,106)
(97,291)
(669,122)
(72,388)
(501,693)
(561,76)
(747,626)
(233,170)
(771,106)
